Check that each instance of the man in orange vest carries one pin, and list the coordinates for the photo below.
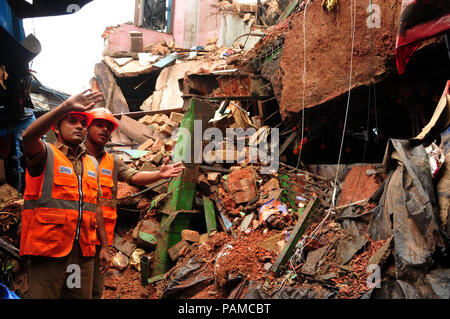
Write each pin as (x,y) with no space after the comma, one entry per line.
(62,217)
(113,170)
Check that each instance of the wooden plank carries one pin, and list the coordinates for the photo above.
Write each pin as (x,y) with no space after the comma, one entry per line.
(130,69)
(137,115)
(165,61)
(111,91)
(288,141)
(288,11)
(135,130)
(297,233)
(210,215)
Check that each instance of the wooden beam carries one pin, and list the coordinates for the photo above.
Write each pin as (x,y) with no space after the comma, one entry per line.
(288,141)
(297,233)
(210,215)
(111,91)
(135,130)
(137,115)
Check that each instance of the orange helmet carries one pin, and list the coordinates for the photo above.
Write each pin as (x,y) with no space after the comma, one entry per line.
(85,114)
(102,113)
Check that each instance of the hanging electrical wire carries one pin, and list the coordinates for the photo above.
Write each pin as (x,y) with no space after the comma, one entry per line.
(372,66)
(304,85)
(352,24)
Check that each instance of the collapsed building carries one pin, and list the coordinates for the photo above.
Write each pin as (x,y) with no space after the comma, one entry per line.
(335,185)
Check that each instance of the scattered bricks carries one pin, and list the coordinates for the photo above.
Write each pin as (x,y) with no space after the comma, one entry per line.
(158,146)
(190,235)
(234,168)
(166,130)
(155,126)
(203,238)
(146,120)
(160,119)
(174,251)
(241,184)
(176,117)
(173,124)
(213,177)
(147,144)
(156,158)
(270,185)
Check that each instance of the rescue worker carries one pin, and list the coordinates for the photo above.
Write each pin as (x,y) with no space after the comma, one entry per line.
(113,170)
(62,216)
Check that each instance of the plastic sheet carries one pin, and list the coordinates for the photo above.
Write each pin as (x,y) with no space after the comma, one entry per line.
(186,279)
(5,293)
(408,210)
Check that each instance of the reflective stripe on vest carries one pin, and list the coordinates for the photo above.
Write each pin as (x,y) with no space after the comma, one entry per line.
(109,172)
(58,209)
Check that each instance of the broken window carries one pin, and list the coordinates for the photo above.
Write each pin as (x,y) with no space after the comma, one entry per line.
(155,14)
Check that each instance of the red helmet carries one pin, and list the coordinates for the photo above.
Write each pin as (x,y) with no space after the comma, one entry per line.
(102,113)
(85,114)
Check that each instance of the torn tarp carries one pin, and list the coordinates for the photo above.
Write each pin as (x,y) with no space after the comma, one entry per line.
(408,210)
(187,279)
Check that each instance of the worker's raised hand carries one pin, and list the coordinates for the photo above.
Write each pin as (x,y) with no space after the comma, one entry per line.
(83,102)
(173,170)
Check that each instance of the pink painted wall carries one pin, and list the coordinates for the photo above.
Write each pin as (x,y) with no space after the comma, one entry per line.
(119,39)
(208,21)
(178,21)
(208,26)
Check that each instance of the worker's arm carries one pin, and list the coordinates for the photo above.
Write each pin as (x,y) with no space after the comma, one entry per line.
(166,171)
(105,258)
(31,138)
(80,102)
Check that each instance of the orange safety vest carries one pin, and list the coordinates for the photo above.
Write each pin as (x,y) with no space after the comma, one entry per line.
(60,207)
(109,170)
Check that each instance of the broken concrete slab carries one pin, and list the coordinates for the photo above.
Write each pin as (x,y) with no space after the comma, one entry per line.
(123,245)
(346,248)
(247,222)
(313,258)
(272,184)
